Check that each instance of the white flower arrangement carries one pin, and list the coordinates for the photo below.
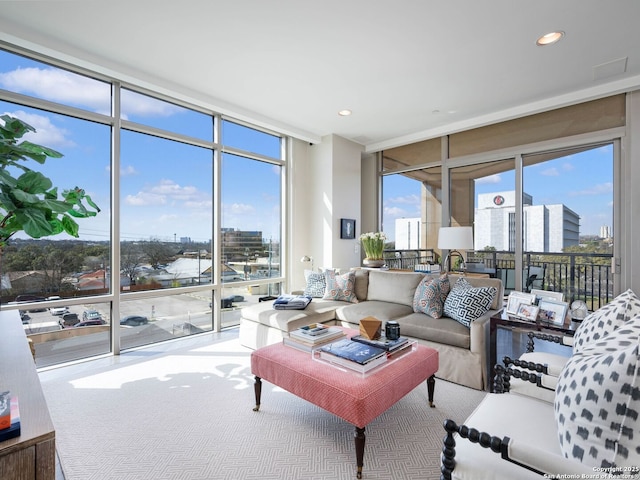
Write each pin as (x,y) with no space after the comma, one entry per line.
(373,244)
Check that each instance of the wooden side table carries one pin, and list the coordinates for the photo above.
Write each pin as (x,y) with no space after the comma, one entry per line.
(504,321)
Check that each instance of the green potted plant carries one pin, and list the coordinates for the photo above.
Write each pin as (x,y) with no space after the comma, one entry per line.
(29,202)
(373,245)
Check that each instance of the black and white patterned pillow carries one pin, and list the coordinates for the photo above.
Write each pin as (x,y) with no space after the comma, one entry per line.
(466,303)
(597,401)
(316,283)
(606,319)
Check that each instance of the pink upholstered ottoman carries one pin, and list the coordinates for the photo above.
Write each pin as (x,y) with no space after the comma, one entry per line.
(349,395)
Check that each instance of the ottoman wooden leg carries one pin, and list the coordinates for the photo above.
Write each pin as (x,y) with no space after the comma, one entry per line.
(431,386)
(360,439)
(257,389)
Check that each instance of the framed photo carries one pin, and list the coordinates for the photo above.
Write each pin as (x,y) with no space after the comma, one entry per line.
(515,299)
(548,295)
(528,312)
(347,228)
(552,312)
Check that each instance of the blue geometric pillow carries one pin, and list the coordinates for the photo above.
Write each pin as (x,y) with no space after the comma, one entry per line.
(466,303)
(316,284)
(430,295)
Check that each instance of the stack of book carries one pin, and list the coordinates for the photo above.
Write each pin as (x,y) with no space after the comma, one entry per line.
(354,355)
(313,336)
(384,343)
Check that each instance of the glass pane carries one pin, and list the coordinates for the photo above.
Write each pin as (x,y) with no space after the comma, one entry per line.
(68,332)
(483,197)
(411,216)
(36,79)
(150,320)
(235,298)
(251,222)
(151,111)
(61,264)
(166,220)
(567,223)
(250,140)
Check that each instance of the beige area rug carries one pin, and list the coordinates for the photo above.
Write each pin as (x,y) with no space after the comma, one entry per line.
(187,414)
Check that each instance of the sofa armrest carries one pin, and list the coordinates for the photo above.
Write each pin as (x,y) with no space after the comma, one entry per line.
(479,329)
(516,451)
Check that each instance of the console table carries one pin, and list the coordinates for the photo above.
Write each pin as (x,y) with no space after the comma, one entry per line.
(32,455)
(503,321)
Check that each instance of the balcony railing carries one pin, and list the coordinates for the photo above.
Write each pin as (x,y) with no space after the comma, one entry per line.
(580,276)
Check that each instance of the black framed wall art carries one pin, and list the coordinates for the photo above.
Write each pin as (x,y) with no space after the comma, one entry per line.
(347,228)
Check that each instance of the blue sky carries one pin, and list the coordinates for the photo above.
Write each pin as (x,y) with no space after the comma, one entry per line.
(166,188)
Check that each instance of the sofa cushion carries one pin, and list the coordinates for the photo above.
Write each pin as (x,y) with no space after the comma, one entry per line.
(606,319)
(318,311)
(430,295)
(340,287)
(483,282)
(383,311)
(395,287)
(442,330)
(466,303)
(598,400)
(316,283)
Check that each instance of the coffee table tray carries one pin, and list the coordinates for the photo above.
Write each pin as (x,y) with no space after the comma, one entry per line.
(357,369)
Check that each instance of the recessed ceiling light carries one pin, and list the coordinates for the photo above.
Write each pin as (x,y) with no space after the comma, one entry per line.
(344,113)
(549,38)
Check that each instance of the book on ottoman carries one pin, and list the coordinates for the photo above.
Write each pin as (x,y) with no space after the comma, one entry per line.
(388,345)
(353,352)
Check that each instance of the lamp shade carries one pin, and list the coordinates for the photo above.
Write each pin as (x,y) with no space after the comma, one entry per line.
(455,238)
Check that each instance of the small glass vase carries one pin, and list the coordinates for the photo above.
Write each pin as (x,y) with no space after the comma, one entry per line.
(373,263)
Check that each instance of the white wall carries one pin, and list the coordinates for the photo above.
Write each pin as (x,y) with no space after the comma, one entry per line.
(325,187)
(627,231)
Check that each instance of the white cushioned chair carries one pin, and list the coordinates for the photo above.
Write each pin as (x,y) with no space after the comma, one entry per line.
(546,367)
(591,426)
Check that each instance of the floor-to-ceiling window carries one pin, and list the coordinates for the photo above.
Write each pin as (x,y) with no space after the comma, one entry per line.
(189,231)
(539,193)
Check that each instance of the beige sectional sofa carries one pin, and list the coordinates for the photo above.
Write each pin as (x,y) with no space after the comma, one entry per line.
(386,296)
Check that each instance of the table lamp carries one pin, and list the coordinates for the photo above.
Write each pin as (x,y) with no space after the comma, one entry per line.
(454,239)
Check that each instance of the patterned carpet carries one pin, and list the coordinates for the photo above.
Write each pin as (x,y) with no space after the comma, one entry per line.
(186,414)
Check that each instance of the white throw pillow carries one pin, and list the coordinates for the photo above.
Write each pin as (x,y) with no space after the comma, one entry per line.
(597,402)
(606,319)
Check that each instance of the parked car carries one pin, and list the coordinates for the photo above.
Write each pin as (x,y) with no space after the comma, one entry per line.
(134,320)
(69,320)
(88,315)
(31,298)
(57,311)
(87,323)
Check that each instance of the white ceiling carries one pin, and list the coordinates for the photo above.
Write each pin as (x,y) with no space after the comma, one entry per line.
(408,69)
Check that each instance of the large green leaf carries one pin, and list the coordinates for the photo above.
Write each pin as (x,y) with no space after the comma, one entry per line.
(34,222)
(70,226)
(34,182)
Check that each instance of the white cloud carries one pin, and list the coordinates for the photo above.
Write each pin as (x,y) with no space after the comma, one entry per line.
(72,89)
(240,208)
(127,171)
(47,133)
(143,199)
(550,172)
(404,200)
(394,212)
(599,189)
(60,86)
(491,179)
